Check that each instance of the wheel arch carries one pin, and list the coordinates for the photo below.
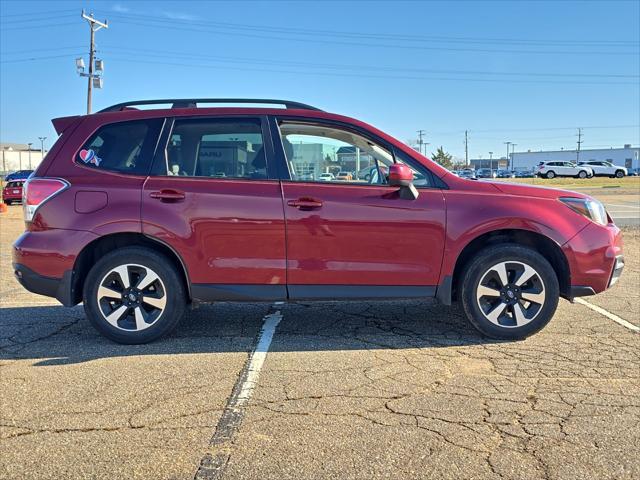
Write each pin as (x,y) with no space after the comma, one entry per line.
(544,245)
(94,250)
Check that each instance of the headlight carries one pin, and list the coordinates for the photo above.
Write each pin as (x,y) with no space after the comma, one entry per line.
(590,208)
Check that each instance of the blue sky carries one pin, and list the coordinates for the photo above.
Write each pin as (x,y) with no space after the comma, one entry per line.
(525,72)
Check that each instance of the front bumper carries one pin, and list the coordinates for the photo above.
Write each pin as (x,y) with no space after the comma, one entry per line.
(595,259)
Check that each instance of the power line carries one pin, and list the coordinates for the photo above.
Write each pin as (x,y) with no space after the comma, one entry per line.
(31,19)
(186,55)
(37,14)
(17,52)
(226,31)
(29,27)
(368,76)
(47,57)
(376,35)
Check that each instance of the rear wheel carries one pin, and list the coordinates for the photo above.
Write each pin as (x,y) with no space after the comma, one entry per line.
(509,292)
(134,295)
(551,174)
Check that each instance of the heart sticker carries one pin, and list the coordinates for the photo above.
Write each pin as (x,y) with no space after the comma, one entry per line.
(86,155)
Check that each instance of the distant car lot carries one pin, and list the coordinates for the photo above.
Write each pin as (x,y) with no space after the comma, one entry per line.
(350,390)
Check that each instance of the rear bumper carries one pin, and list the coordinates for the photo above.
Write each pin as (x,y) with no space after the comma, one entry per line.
(12,197)
(58,288)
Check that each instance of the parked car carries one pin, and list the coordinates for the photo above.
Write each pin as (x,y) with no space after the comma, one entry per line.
(346,176)
(326,177)
(12,192)
(605,169)
(563,169)
(524,174)
(505,174)
(108,226)
(468,173)
(486,173)
(634,172)
(19,175)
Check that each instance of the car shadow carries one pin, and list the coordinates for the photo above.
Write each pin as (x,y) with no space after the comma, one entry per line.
(55,335)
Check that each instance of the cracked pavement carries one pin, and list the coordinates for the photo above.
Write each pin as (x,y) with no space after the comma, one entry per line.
(348,390)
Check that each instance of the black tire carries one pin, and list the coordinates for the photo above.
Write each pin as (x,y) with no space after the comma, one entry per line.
(619,174)
(583,174)
(169,287)
(550,175)
(478,269)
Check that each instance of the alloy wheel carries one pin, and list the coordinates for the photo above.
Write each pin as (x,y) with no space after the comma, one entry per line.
(510,294)
(131,297)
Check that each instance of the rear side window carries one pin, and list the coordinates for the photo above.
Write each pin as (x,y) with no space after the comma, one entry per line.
(216,148)
(124,147)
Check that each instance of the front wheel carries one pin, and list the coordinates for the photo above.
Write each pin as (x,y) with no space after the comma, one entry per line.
(134,295)
(619,174)
(509,292)
(582,174)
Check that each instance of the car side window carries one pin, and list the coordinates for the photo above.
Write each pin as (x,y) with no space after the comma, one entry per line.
(123,147)
(216,148)
(324,153)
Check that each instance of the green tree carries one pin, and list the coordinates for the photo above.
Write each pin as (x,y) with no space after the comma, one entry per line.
(443,158)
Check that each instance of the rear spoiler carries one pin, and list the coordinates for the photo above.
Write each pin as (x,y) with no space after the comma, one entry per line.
(62,123)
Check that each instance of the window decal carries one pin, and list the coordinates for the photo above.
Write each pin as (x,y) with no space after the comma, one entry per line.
(89,156)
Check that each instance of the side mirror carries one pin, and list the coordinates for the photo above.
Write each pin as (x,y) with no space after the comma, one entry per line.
(401,176)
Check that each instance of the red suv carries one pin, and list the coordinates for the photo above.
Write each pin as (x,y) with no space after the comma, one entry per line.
(137,213)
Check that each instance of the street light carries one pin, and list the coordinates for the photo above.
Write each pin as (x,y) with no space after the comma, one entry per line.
(491,163)
(42,139)
(29,145)
(513,151)
(507,144)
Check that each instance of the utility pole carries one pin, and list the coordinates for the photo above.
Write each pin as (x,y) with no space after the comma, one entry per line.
(508,162)
(513,151)
(466,148)
(42,139)
(29,145)
(579,143)
(420,141)
(94,26)
(491,163)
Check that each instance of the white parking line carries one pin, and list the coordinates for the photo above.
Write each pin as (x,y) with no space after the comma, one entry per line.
(609,315)
(258,357)
(212,464)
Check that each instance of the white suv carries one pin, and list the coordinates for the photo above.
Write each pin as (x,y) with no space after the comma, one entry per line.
(563,169)
(605,169)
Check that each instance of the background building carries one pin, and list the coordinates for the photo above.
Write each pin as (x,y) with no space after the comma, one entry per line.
(495,164)
(18,156)
(626,156)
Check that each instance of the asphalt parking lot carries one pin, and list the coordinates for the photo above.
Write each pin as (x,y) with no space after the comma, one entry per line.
(349,390)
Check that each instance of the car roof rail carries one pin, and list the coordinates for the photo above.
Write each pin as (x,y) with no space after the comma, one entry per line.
(193,103)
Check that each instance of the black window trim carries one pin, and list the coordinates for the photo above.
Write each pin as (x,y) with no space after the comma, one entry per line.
(155,131)
(283,168)
(160,166)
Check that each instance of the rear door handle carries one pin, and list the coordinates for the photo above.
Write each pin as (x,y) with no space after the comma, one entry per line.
(168,195)
(305,203)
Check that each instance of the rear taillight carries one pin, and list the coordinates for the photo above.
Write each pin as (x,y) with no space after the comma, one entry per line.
(37,191)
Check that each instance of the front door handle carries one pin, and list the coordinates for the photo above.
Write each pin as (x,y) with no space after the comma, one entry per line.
(168,195)
(305,203)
